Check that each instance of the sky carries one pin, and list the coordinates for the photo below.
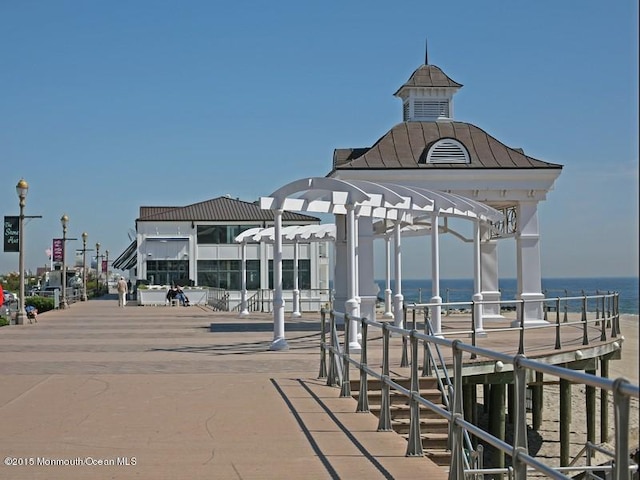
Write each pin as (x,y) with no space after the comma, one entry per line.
(109,106)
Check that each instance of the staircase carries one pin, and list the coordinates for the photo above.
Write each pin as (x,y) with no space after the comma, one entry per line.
(434,430)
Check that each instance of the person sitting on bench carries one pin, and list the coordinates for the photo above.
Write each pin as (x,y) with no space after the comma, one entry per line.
(176,293)
(182,297)
(172,294)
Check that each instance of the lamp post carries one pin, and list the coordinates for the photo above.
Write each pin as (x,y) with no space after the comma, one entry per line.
(97,269)
(106,270)
(21,189)
(84,266)
(64,220)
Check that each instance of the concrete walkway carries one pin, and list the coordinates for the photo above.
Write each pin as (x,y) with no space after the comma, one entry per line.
(97,391)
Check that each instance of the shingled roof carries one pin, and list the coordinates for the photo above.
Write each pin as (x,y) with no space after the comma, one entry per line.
(429,76)
(217,209)
(406,145)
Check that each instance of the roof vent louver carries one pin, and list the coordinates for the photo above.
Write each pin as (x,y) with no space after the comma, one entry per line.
(448,150)
(430,109)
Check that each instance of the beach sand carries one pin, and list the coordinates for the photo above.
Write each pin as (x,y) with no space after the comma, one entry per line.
(546,440)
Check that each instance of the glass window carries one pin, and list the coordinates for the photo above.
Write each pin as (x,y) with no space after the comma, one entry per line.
(227,274)
(304,274)
(167,272)
(212,234)
(220,234)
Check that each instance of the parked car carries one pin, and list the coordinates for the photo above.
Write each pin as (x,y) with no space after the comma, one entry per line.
(10,297)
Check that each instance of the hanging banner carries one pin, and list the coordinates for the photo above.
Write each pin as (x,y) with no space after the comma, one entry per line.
(104,265)
(58,249)
(11,234)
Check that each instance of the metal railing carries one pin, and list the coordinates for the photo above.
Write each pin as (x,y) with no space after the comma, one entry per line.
(260,301)
(595,311)
(218,299)
(340,360)
(311,300)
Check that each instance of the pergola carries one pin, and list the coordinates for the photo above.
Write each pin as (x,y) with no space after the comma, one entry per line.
(399,204)
(294,234)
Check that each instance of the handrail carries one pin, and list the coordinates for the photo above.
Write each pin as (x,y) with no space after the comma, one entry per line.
(218,299)
(448,391)
(622,390)
(605,320)
(262,300)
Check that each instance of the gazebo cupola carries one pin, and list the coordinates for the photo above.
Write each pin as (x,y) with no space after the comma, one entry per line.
(428,95)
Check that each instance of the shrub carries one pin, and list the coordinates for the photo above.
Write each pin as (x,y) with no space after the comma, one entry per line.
(43,304)
(3,322)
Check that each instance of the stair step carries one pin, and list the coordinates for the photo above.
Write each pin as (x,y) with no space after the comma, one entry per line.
(397,398)
(441,457)
(404,411)
(437,441)
(375,384)
(431,425)
(434,430)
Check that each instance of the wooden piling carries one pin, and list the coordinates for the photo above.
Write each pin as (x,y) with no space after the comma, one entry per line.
(497,421)
(590,400)
(537,394)
(565,421)
(604,403)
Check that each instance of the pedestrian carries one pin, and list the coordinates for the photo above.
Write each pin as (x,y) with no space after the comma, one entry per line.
(123,289)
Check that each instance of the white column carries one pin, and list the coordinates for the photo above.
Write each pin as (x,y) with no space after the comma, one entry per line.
(279,341)
(340,272)
(489,275)
(352,306)
(296,291)
(398,299)
(436,316)
(477,282)
(367,287)
(356,256)
(528,263)
(243,292)
(387,291)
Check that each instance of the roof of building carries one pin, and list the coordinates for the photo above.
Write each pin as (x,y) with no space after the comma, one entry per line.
(429,76)
(217,209)
(406,145)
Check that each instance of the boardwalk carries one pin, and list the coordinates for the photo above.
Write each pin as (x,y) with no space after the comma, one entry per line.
(154,388)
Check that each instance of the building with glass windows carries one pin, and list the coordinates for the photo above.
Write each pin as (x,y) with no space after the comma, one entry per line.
(195,245)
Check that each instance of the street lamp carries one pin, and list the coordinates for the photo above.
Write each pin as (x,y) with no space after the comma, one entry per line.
(21,189)
(84,266)
(106,269)
(97,269)
(64,220)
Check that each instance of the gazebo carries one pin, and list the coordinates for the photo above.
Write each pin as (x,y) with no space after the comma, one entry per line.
(424,170)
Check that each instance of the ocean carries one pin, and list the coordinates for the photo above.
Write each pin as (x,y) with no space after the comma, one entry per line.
(461,290)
